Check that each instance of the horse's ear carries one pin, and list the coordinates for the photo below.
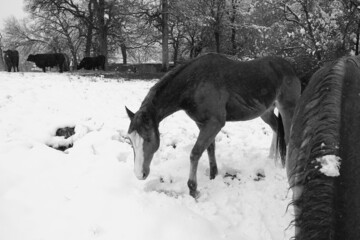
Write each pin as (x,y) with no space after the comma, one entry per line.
(130,113)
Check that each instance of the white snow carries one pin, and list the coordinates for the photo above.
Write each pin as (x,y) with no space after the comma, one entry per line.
(330,165)
(90,191)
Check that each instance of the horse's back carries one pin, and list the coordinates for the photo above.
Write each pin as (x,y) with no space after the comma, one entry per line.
(250,87)
(225,70)
(326,116)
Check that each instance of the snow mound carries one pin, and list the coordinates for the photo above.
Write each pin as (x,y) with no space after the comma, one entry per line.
(330,165)
(91,192)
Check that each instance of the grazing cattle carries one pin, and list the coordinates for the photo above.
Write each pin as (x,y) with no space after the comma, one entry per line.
(48,60)
(11,58)
(90,63)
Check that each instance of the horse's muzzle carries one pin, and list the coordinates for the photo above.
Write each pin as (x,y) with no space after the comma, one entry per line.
(142,175)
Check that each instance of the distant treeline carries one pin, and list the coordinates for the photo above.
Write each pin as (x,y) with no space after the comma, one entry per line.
(307,32)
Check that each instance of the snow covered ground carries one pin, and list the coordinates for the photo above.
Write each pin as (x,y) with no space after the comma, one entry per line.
(90,191)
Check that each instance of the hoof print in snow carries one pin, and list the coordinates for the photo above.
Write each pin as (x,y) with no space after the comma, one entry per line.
(63,148)
(65,132)
(232,176)
(265,132)
(260,175)
(173,145)
(162,186)
(162,180)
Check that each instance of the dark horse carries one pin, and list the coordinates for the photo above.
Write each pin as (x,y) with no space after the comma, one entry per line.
(213,89)
(326,132)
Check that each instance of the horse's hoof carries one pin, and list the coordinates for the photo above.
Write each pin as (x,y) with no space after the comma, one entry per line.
(195,194)
(213,173)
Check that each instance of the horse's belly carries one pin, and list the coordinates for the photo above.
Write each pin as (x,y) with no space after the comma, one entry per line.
(242,106)
(240,112)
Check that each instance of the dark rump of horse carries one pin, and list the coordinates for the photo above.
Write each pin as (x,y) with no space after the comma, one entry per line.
(326,126)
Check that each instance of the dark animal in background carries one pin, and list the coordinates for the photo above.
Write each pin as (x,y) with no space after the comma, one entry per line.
(213,89)
(11,58)
(326,135)
(48,60)
(92,63)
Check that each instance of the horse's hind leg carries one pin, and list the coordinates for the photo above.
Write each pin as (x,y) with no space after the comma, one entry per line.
(208,132)
(269,117)
(212,159)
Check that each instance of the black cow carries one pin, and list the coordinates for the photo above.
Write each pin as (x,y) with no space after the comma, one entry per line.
(11,58)
(90,63)
(48,60)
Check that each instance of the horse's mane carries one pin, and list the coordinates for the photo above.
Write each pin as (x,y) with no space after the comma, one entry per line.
(169,76)
(348,184)
(319,118)
(166,80)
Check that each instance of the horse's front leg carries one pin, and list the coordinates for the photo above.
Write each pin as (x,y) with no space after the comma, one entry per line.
(212,160)
(208,132)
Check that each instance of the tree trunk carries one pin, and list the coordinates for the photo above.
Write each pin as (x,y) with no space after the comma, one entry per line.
(218,13)
(89,31)
(165,36)
(2,64)
(102,28)
(311,34)
(176,51)
(357,39)
(73,51)
(217,40)
(123,52)
(192,46)
(233,28)
(233,41)
(75,62)
(88,42)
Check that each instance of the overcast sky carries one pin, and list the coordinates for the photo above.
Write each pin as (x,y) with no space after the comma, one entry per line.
(11,7)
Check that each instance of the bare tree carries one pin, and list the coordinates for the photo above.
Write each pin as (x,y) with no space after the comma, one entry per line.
(165,35)
(2,64)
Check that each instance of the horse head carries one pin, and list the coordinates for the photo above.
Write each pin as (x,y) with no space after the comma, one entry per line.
(144,137)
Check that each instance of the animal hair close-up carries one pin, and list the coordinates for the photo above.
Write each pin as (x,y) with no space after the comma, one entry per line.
(317,130)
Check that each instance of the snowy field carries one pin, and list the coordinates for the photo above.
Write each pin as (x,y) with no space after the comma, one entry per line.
(90,191)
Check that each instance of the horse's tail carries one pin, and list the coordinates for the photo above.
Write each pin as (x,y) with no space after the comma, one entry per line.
(348,184)
(280,140)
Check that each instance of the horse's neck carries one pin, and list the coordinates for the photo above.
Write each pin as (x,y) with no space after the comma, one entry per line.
(156,113)
(159,105)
